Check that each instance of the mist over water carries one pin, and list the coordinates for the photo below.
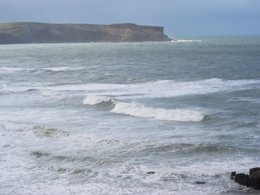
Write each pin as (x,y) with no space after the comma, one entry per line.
(96,118)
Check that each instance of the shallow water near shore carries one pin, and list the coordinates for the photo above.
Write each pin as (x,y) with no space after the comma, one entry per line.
(129,118)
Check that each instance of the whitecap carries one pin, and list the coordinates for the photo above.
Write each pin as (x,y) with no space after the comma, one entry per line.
(94,99)
(161,88)
(185,40)
(139,110)
(62,68)
(153,89)
(12,69)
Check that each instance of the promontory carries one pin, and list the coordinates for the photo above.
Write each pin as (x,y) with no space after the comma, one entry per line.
(32,32)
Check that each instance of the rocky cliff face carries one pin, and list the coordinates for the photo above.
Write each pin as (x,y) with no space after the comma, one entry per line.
(25,32)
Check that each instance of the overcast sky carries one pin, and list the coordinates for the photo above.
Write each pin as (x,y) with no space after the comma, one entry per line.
(179,17)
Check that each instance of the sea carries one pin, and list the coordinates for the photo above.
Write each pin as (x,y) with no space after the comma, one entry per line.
(169,118)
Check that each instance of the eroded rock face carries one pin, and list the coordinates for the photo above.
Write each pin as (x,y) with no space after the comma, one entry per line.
(26,32)
(251,180)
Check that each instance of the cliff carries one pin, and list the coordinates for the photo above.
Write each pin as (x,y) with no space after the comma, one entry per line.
(29,32)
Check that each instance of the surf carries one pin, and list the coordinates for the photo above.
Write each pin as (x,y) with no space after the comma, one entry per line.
(139,110)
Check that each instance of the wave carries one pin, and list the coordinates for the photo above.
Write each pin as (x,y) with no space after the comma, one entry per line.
(94,100)
(185,41)
(161,88)
(62,68)
(12,69)
(154,89)
(6,70)
(139,110)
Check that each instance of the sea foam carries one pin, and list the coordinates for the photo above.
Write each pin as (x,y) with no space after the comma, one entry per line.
(185,40)
(139,110)
(8,70)
(94,100)
(160,88)
(62,68)
(153,89)
(12,69)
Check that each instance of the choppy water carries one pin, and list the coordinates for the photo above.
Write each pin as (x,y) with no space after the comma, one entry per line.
(95,118)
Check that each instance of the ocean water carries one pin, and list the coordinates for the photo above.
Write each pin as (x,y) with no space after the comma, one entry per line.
(129,118)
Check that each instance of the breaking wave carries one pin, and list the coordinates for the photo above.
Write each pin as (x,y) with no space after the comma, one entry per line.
(154,89)
(94,100)
(139,110)
(161,88)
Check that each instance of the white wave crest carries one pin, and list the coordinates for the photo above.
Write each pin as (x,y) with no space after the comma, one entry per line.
(185,41)
(139,110)
(48,93)
(62,68)
(94,100)
(12,69)
(6,70)
(161,88)
(154,89)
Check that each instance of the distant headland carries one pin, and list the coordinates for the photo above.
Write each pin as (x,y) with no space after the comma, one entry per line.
(32,32)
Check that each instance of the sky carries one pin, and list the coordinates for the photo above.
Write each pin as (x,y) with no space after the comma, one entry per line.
(179,17)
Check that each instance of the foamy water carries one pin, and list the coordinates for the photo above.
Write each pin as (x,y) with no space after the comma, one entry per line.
(162,88)
(158,113)
(128,118)
(185,40)
(139,110)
